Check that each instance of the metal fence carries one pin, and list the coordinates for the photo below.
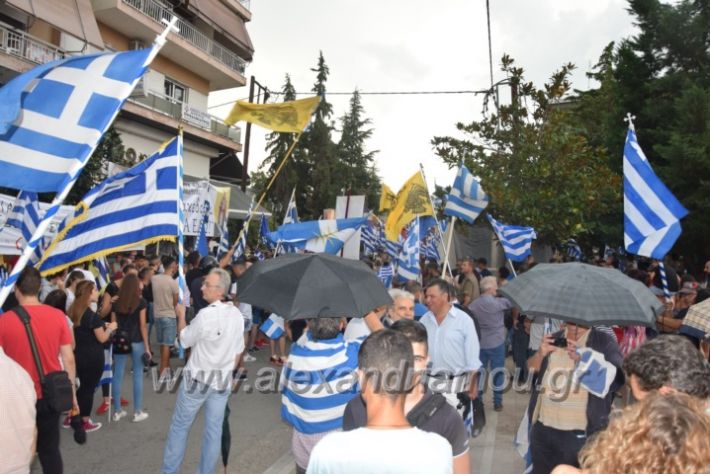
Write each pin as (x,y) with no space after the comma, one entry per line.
(26,47)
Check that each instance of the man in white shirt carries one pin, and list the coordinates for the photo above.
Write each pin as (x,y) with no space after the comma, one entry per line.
(385,369)
(216,337)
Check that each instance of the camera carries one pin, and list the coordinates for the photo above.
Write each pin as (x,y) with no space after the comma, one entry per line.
(559,339)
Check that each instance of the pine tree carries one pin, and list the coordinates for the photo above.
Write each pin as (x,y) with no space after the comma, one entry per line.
(355,165)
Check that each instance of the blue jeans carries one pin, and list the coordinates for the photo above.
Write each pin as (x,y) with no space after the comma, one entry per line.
(191,396)
(119,368)
(496,358)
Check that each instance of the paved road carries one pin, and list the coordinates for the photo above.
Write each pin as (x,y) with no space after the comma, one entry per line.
(260,441)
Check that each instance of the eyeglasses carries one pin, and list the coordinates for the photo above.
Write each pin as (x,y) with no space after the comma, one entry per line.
(207,285)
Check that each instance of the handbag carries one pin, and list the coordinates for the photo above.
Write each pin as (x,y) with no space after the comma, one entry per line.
(57,389)
(121,342)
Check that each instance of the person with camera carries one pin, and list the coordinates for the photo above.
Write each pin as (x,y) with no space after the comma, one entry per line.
(130,312)
(51,336)
(579,369)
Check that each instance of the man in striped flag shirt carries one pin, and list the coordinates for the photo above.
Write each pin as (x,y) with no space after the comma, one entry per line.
(321,362)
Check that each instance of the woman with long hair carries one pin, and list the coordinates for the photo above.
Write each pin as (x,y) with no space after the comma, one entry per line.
(130,312)
(90,332)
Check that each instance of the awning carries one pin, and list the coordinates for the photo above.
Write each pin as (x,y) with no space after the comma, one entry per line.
(231,24)
(75,17)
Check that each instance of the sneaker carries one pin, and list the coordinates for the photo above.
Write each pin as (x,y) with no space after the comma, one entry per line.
(119,414)
(90,426)
(140,416)
(124,402)
(67,422)
(498,407)
(249,358)
(102,409)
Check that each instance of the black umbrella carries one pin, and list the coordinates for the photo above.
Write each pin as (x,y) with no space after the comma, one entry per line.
(297,286)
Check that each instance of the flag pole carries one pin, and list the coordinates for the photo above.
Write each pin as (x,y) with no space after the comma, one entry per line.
(266,189)
(447,264)
(436,219)
(73,173)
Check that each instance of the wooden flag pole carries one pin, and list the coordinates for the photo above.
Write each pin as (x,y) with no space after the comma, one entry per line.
(447,264)
(438,228)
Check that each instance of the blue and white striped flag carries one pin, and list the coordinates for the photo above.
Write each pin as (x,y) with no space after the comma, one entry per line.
(652,213)
(259,255)
(291,216)
(26,216)
(53,116)
(466,199)
(408,261)
(386,275)
(324,236)
(264,231)
(573,250)
(104,277)
(515,240)
(223,239)
(391,247)
(107,374)
(137,206)
(431,246)
(370,238)
(273,327)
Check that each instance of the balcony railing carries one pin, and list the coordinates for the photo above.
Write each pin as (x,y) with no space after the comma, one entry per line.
(22,45)
(190,34)
(246,4)
(173,109)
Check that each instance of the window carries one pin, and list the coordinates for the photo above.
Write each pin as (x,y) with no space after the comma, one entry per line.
(175,92)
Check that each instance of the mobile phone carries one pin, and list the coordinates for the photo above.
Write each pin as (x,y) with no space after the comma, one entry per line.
(559,339)
(146,359)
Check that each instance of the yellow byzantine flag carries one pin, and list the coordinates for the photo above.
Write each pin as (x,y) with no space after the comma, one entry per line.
(291,116)
(387,199)
(412,201)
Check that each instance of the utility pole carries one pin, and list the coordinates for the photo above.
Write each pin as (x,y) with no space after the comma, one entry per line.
(253,83)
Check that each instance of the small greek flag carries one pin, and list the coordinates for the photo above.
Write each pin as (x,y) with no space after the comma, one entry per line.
(107,374)
(223,239)
(652,213)
(516,240)
(386,275)
(370,238)
(273,327)
(431,246)
(466,199)
(573,250)
(408,261)
(26,216)
(324,236)
(291,216)
(104,277)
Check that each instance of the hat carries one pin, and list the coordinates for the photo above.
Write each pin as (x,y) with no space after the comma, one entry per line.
(689,287)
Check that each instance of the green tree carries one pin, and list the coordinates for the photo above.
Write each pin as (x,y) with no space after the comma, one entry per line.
(533,161)
(356,168)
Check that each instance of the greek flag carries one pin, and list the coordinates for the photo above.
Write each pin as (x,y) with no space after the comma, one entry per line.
(324,236)
(391,248)
(652,214)
(273,327)
(260,256)
(26,217)
(516,240)
(386,275)
(264,231)
(202,246)
(291,216)
(573,250)
(135,207)
(53,116)
(223,239)
(107,374)
(466,199)
(104,277)
(370,238)
(431,246)
(408,261)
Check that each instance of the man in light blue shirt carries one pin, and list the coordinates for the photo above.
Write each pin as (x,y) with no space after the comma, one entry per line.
(453,344)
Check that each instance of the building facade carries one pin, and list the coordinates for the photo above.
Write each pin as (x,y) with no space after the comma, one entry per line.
(209,52)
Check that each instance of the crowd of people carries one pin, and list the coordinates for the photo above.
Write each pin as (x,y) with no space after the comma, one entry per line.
(407,378)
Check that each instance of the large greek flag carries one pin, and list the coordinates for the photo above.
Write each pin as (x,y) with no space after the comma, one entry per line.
(52,117)
(466,199)
(135,207)
(651,213)
(515,240)
(408,261)
(324,236)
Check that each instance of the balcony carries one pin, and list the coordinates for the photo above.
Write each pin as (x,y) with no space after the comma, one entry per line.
(21,45)
(188,46)
(174,109)
(191,34)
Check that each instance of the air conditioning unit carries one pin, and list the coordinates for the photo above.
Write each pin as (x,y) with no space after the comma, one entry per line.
(136,44)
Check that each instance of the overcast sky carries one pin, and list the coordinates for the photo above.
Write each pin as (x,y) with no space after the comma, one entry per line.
(414,45)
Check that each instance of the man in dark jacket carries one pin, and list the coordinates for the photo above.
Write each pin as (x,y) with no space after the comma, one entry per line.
(579,370)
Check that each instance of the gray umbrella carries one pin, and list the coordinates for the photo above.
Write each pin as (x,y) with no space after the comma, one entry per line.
(297,286)
(583,294)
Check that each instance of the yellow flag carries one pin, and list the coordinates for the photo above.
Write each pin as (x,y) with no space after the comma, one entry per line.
(292,116)
(387,199)
(412,201)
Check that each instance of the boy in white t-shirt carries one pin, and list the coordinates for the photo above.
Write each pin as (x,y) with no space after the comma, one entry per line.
(388,444)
